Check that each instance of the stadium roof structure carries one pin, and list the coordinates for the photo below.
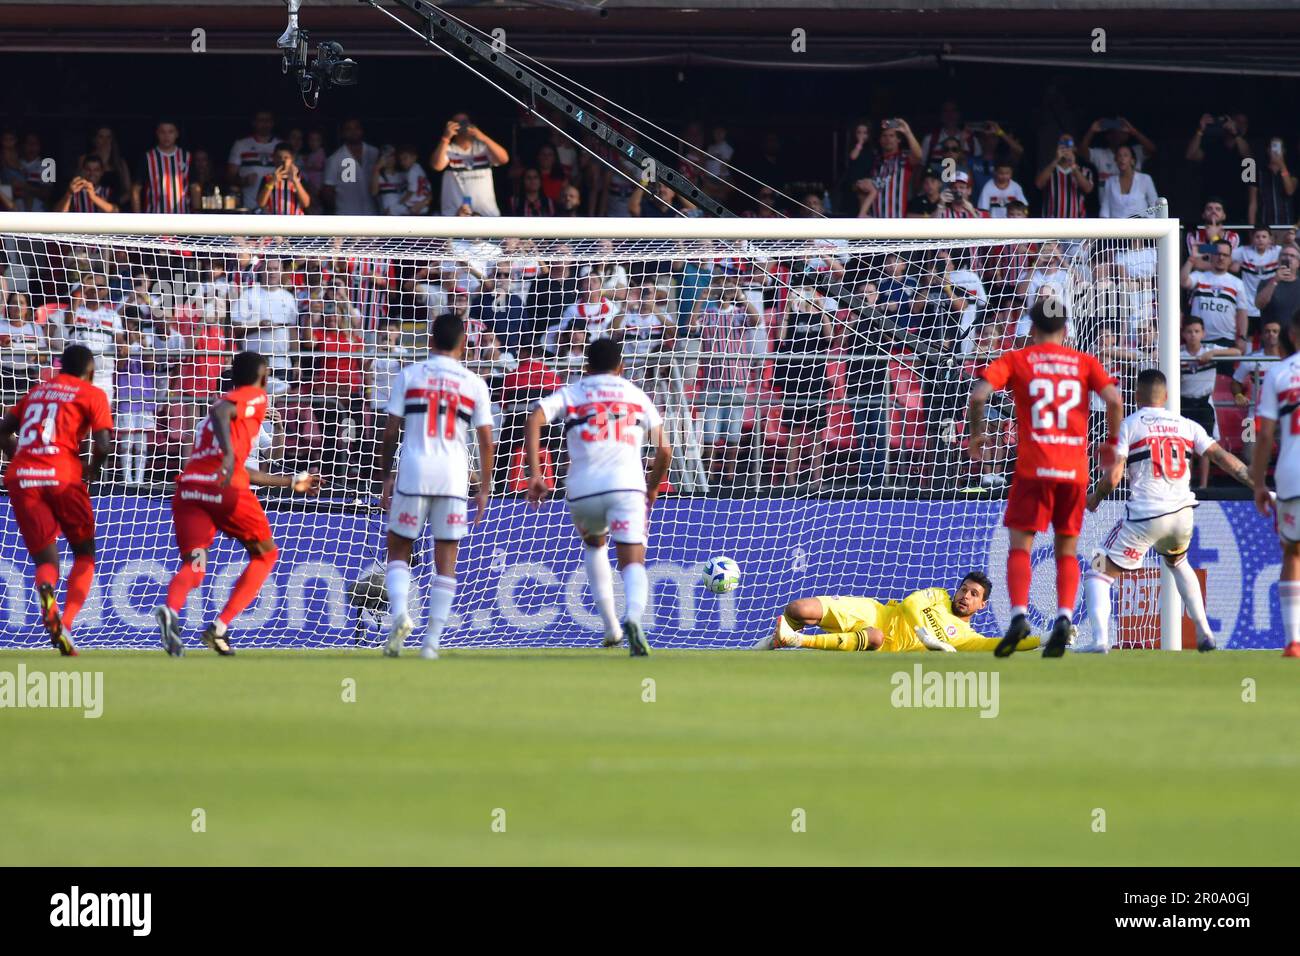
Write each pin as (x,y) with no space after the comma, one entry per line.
(846,35)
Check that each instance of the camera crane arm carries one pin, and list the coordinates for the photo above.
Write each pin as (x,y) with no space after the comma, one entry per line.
(492,59)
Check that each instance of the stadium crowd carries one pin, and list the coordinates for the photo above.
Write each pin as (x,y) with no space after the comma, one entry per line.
(798,370)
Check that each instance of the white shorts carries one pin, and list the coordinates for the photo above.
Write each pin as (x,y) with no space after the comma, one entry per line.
(1288,519)
(620,514)
(447,517)
(1129,541)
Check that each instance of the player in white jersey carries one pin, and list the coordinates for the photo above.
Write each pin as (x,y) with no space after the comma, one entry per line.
(607,422)
(435,403)
(1155,449)
(1279,402)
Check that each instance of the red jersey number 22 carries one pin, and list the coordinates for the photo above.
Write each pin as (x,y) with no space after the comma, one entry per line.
(1053,401)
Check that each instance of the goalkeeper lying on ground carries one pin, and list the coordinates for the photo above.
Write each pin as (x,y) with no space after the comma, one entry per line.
(930,619)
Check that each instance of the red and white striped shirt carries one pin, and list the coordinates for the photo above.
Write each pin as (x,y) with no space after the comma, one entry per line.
(80,201)
(724,346)
(284,197)
(961,212)
(368,285)
(1063,199)
(167,181)
(893,179)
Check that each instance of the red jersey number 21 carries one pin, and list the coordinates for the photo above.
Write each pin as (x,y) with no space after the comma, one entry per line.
(1053,401)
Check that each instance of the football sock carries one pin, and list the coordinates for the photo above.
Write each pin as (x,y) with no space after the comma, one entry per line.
(636,587)
(1189,589)
(1019,575)
(1067,584)
(397,581)
(601,580)
(79,580)
(47,574)
(1289,592)
(1096,589)
(850,641)
(249,583)
(441,596)
(183,582)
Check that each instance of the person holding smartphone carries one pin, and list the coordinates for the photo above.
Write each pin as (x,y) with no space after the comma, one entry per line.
(465,156)
(1272,199)
(282,192)
(1065,183)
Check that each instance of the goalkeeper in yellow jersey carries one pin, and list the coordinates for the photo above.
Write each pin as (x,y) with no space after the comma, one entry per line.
(929,619)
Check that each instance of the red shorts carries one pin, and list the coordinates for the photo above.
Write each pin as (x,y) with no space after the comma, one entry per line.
(199,511)
(1035,504)
(42,512)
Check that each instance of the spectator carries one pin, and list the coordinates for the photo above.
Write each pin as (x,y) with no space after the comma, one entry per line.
(892,175)
(530,200)
(117,173)
(499,311)
(338,386)
(571,361)
(646,331)
(660,202)
(1249,377)
(1279,298)
(931,320)
(954,202)
(1255,264)
(999,191)
(417,193)
(868,339)
(928,201)
(953,159)
(36,192)
(349,172)
(95,324)
(252,159)
(387,183)
(720,152)
(282,192)
(163,183)
(22,348)
(997,146)
(593,310)
(969,299)
(897,284)
(770,167)
(1119,132)
(1049,281)
(202,181)
(1127,193)
(1218,298)
(13,181)
(87,192)
(934,147)
(1065,183)
(523,386)
(268,315)
(552,174)
(1272,200)
(1211,229)
(722,320)
(135,418)
(858,193)
(799,373)
(570,201)
(1219,145)
(1198,377)
(465,156)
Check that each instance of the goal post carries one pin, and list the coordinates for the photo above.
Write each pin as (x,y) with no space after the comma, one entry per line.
(813,375)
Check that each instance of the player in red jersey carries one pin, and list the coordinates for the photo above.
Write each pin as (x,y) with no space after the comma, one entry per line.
(214,493)
(42,436)
(1052,386)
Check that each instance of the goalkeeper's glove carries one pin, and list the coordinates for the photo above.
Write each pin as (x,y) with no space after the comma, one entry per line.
(933,643)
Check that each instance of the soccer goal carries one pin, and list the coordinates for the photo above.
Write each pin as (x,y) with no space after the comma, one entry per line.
(813,375)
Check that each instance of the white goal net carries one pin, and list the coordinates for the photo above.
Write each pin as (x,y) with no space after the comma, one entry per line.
(813,377)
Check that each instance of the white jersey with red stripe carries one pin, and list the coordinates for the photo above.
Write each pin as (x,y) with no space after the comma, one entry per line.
(607,421)
(1159,445)
(1279,400)
(440,400)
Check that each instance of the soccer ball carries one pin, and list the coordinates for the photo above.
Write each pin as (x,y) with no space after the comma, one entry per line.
(720,574)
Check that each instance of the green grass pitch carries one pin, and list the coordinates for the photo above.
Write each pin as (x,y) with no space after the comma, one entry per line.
(711,772)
